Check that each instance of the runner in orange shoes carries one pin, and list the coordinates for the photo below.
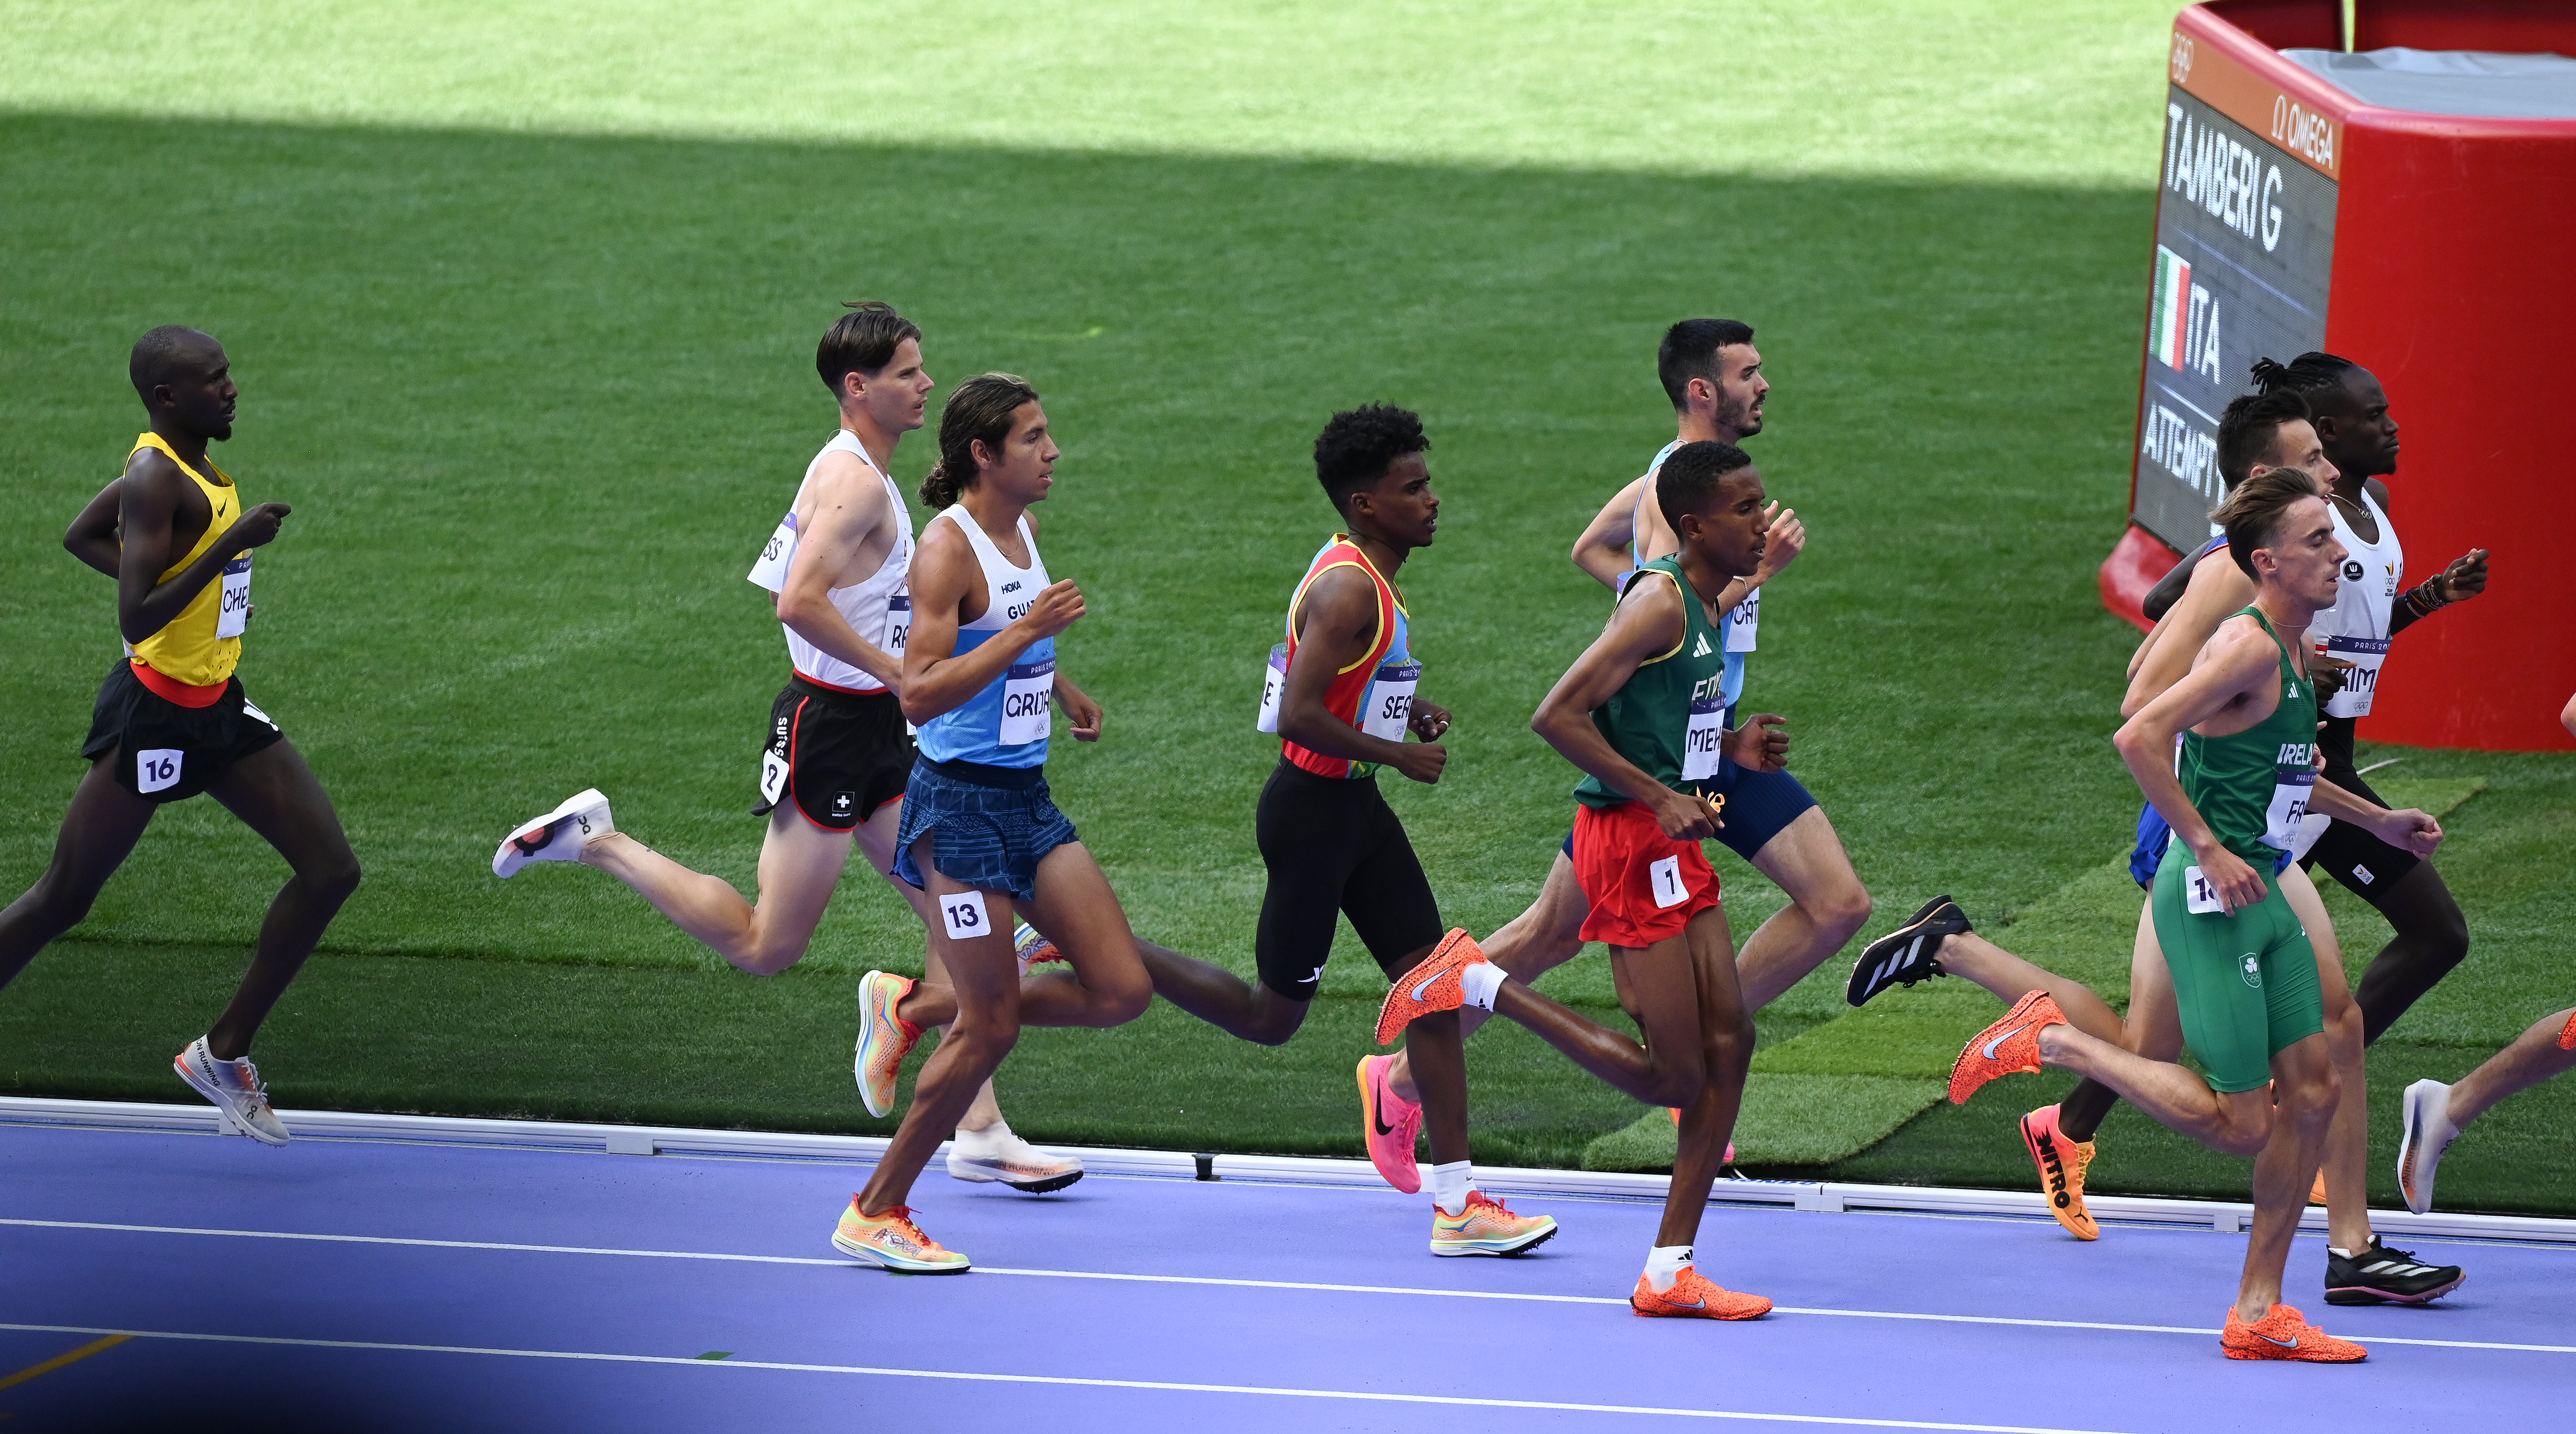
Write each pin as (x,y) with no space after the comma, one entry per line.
(2061,1163)
(1643,715)
(2245,980)
(2284,1333)
(1692,1296)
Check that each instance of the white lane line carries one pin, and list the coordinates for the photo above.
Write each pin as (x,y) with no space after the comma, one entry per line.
(1370,1396)
(1215,1280)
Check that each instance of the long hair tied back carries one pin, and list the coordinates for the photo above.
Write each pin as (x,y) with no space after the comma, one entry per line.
(979,411)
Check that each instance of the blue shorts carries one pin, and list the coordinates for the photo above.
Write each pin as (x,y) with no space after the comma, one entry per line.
(1759,806)
(991,825)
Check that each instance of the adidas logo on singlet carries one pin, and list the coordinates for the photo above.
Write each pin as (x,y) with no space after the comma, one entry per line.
(1702,649)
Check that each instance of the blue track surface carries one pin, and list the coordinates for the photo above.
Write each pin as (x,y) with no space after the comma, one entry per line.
(603,1335)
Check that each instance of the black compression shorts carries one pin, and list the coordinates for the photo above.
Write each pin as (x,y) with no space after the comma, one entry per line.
(166,752)
(1333,845)
(2368,867)
(838,755)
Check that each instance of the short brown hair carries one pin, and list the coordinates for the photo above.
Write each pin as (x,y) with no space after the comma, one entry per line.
(2252,514)
(861,341)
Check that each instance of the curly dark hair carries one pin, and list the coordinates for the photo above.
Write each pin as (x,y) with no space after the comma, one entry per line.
(1357,444)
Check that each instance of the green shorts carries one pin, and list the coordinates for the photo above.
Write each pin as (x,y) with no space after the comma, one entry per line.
(2246,984)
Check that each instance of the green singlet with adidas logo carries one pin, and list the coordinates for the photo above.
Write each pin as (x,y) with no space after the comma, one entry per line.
(2247,983)
(1670,717)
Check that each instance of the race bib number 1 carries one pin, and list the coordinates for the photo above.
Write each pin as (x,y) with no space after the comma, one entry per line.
(771,570)
(234,614)
(2198,896)
(963,915)
(1666,877)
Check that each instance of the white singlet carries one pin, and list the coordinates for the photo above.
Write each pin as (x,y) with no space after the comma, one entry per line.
(878,607)
(2355,629)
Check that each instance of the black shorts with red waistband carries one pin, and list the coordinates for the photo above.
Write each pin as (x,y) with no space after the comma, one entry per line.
(166,751)
(838,755)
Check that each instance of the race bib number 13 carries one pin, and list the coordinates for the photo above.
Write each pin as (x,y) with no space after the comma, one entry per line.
(2198,896)
(963,915)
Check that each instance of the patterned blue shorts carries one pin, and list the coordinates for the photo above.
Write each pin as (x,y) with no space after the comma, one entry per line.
(991,825)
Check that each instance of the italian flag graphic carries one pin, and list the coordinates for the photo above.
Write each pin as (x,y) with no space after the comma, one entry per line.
(2173,307)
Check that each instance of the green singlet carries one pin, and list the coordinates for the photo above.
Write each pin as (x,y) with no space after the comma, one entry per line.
(2246,984)
(1670,717)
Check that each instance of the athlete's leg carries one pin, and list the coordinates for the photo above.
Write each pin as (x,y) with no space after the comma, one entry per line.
(98,833)
(875,838)
(1540,939)
(800,864)
(983,1023)
(2431,938)
(1726,1035)
(1080,914)
(1441,1070)
(1827,905)
(2305,1091)
(2345,1159)
(2537,1054)
(2236,1124)
(2151,1028)
(1659,985)
(277,796)
(1971,956)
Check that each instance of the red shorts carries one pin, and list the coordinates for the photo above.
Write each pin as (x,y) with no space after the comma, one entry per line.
(1643,885)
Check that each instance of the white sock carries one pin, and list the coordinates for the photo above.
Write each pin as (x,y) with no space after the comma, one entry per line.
(1479,983)
(1450,1184)
(1664,1265)
(988,1141)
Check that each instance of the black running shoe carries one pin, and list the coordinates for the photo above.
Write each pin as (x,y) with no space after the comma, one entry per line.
(2380,1275)
(1904,956)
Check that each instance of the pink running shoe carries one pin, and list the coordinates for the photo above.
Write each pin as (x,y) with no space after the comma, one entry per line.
(1390,1124)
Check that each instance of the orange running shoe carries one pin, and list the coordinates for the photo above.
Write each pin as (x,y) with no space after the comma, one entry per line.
(2008,1047)
(2567,1033)
(1429,987)
(884,1039)
(2061,1165)
(1390,1141)
(2317,1190)
(1695,1296)
(891,1241)
(2284,1333)
(1486,1228)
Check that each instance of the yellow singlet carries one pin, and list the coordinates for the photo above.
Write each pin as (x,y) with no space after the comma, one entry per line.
(188,650)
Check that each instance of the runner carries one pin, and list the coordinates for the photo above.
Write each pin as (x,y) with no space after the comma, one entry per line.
(1713,375)
(980,832)
(2244,974)
(835,754)
(1641,714)
(2255,432)
(1340,692)
(2432,1114)
(172,719)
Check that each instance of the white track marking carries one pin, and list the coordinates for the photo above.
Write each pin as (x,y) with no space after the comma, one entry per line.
(1368,1396)
(1208,1280)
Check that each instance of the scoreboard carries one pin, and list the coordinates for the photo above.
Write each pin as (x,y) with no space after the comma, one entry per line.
(2245,231)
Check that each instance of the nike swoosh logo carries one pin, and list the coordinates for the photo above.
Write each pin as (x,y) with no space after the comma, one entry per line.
(1419,992)
(2291,1343)
(1999,1040)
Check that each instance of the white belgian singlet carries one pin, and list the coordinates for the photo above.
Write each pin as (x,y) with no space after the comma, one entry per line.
(2355,629)
(878,607)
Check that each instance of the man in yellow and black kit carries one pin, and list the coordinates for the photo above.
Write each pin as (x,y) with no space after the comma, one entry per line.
(172,720)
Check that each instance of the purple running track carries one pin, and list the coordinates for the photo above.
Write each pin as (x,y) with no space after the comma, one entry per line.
(1127,1303)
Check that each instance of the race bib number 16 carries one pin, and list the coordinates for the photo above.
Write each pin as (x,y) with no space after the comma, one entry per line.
(2199,897)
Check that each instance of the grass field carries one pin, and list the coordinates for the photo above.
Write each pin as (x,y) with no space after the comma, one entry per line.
(524,340)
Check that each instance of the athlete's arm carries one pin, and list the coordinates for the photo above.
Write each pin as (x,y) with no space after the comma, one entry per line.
(2217,588)
(2465,578)
(1605,547)
(849,509)
(2167,591)
(944,576)
(1649,623)
(147,504)
(92,536)
(2232,666)
(1429,720)
(2404,827)
(1336,626)
(1078,709)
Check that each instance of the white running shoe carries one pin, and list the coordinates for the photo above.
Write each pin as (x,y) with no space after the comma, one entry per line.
(995,1154)
(559,835)
(2424,1131)
(235,1089)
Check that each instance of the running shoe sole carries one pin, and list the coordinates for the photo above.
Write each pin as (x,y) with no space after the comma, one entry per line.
(2416,1189)
(1519,1246)
(869,1254)
(960,1168)
(877,1022)
(505,867)
(2064,1200)
(232,1124)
